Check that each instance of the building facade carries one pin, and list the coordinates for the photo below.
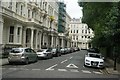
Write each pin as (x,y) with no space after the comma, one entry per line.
(29,24)
(80,33)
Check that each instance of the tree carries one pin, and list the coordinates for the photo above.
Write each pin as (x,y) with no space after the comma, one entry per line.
(104,19)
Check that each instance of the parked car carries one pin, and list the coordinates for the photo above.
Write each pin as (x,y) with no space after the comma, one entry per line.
(69,50)
(94,60)
(24,55)
(66,50)
(62,51)
(44,53)
(56,52)
(94,50)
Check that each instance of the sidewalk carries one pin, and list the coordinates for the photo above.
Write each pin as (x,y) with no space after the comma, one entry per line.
(109,67)
(3,61)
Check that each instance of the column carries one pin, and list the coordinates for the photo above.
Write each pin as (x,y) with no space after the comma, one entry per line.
(24,37)
(36,46)
(43,39)
(15,34)
(56,41)
(52,41)
(32,33)
(62,43)
(1,29)
(21,28)
(40,39)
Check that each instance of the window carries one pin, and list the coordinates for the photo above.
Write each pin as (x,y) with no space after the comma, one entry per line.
(18,35)
(76,37)
(32,14)
(10,5)
(82,31)
(74,31)
(71,31)
(28,13)
(86,31)
(21,9)
(16,7)
(77,31)
(89,31)
(11,35)
(82,36)
(85,36)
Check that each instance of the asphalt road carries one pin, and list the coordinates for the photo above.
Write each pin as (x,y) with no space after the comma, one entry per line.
(66,66)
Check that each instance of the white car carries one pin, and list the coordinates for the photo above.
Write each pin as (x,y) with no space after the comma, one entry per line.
(44,53)
(94,60)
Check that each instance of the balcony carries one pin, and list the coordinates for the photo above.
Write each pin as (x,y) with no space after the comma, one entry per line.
(10,14)
(7,12)
(34,21)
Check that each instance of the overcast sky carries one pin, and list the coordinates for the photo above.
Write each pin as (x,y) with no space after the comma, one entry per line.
(73,9)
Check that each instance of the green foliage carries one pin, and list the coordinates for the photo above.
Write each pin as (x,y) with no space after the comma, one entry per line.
(104,19)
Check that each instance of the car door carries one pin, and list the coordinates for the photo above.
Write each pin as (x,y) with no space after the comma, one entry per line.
(34,55)
(27,53)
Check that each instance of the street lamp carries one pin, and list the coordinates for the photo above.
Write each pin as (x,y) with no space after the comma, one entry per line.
(51,20)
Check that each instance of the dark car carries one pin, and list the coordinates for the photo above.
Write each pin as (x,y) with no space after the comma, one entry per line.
(95,50)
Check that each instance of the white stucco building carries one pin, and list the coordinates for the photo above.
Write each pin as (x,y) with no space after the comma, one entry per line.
(80,34)
(29,24)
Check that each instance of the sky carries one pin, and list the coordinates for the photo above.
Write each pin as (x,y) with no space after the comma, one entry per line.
(73,9)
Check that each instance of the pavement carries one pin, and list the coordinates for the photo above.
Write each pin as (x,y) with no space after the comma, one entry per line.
(3,61)
(108,67)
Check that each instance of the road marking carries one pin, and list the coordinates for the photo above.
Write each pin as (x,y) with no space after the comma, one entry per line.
(12,68)
(50,68)
(73,70)
(36,69)
(62,70)
(85,71)
(97,72)
(71,66)
(64,61)
(23,69)
(70,57)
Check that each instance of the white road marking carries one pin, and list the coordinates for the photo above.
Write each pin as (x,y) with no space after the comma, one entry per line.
(70,57)
(23,69)
(62,70)
(12,68)
(64,61)
(85,71)
(73,70)
(36,69)
(71,66)
(50,68)
(97,72)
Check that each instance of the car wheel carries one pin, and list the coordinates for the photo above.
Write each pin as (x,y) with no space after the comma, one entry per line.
(84,65)
(36,59)
(11,63)
(26,61)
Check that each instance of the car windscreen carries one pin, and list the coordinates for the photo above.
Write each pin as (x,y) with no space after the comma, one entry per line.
(49,50)
(94,55)
(16,50)
(40,50)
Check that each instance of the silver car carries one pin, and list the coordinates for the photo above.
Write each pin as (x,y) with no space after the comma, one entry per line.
(24,55)
(44,53)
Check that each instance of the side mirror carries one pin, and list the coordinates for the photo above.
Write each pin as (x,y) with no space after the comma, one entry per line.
(103,58)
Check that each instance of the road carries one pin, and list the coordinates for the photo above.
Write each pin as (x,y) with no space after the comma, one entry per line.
(65,66)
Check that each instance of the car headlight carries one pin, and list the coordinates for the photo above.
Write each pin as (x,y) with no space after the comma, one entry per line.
(87,60)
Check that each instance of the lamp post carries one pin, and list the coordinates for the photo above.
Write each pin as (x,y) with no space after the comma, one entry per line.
(51,20)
